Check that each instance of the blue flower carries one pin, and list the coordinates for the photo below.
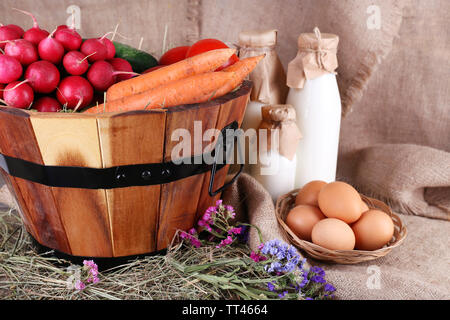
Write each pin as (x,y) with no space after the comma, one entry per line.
(318,271)
(329,288)
(271,286)
(308,298)
(290,266)
(282,295)
(304,282)
(317,279)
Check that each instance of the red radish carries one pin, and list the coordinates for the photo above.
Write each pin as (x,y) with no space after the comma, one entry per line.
(2,86)
(69,38)
(75,63)
(47,104)
(102,75)
(75,92)
(18,95)
(16,28)
(24,51)
(7,33)
(120,64)
(110,48)
(43,76)
(35,34)
(51,50)
(95,49)
(60,27)
(10,69)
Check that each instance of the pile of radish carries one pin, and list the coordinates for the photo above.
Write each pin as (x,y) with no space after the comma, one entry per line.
(58,70)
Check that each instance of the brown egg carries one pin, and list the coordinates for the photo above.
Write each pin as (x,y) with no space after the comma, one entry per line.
(341,201)
(302,219)
(364,206)
(373,230)
(333,234)
(309,193)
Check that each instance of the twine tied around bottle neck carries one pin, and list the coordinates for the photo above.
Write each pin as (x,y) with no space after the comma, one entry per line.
(316,56)
(320,52)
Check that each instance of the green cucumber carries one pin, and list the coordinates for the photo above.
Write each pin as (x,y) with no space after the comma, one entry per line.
(139,60)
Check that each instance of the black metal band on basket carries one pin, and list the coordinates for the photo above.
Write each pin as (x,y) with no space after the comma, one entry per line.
(119,176)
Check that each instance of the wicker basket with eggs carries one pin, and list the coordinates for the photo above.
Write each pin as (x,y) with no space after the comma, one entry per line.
(333,222)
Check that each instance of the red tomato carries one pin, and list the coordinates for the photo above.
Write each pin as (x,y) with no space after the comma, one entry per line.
(211,44)
(152,69)
(174,55)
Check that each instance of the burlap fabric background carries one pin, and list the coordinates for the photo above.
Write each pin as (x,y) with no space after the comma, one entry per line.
(395,136)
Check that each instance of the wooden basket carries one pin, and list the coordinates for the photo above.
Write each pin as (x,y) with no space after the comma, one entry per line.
(112,222)
(286,202)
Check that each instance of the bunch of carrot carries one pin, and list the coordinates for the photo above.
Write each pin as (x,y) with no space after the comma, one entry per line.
(191,80)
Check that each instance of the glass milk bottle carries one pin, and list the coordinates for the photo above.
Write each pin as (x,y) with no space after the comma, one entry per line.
(278,137)
(315,96)
(269,81)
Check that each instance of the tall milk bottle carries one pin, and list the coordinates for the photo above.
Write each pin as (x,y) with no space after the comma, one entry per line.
(314,93)
(269,84)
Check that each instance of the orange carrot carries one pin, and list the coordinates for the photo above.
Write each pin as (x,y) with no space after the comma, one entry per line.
(241,70)
(202,63)
(195,89)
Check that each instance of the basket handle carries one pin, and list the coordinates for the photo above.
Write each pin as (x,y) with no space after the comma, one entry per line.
(220,146)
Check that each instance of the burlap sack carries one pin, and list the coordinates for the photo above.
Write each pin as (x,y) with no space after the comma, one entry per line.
(418,269)
(410,178)
(396,142)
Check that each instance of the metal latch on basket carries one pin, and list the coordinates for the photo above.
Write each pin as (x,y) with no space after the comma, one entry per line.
(119,176)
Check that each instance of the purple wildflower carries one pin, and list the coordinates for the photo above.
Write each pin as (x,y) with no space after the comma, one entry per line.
(225,242)
(230,212)
(329,288)
(235,231)
(304,282)
(287,258)
(191,237)
(79,285)
(318,271)
(309,298)
(282,295)
(92,271)
(257,257)
(271,286)
(317,279)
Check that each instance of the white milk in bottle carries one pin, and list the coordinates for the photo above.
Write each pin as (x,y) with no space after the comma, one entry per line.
(278,139)
(269,82)
(315,96)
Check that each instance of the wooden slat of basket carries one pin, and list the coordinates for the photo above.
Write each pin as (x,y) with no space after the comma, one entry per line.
(83,212)
(36,201)
(286,203)
(179,199)
(230,111)
(137,138)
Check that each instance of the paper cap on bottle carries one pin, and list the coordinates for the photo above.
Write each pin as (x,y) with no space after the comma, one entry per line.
(317,40)
(278,112)
(316,56)
(281,117)
(265,38)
